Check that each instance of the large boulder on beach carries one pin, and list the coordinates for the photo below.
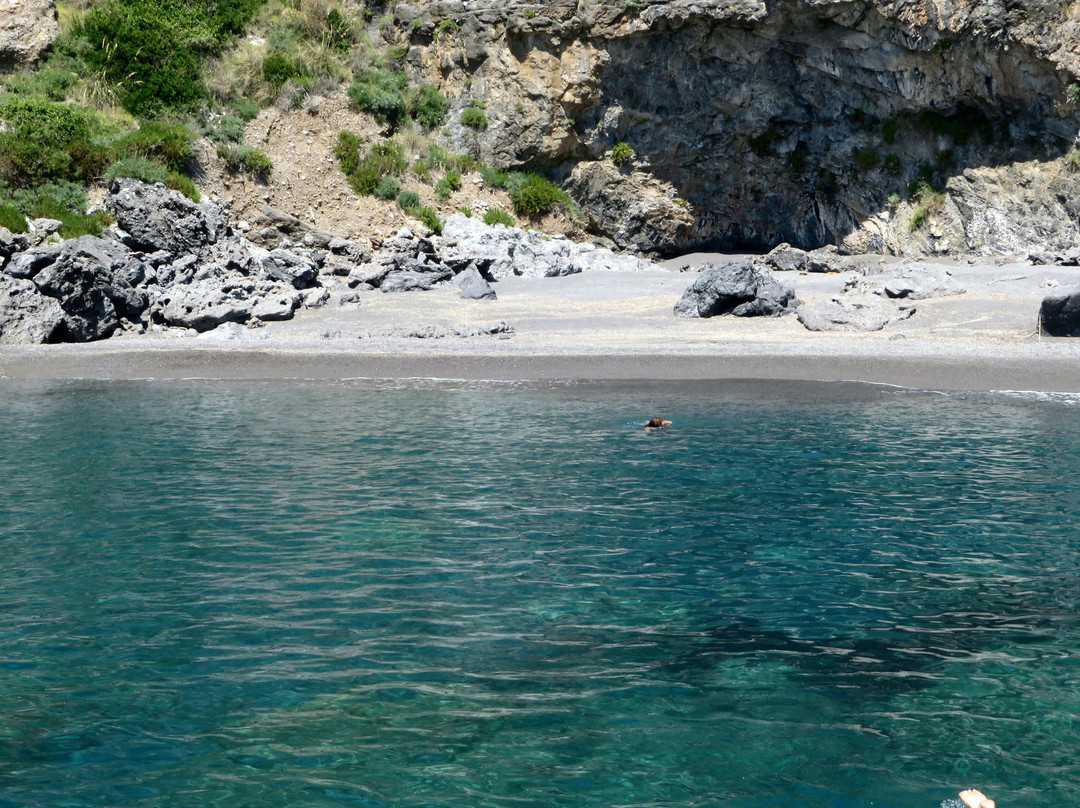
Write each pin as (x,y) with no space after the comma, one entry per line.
(157,218)
(1059,314)
(472,286)
(853,312)
(202,306)
(917,281)
(785,258)
(737,287)
(27,317)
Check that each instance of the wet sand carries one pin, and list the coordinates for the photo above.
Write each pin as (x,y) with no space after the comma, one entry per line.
(603,325)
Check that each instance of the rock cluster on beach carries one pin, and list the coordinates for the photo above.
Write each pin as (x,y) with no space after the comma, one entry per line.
(172,263)
(873,298)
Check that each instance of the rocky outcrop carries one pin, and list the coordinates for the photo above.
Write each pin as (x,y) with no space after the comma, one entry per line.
(27,30)
(917,281)
(860,312)
(175,264)
(172,264)
(1059,314)
(803,121)
(156,218)
(740,288)
(26,315)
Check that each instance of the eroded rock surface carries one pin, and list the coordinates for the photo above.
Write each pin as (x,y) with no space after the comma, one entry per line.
(27,29)
(756,123)
(740,288)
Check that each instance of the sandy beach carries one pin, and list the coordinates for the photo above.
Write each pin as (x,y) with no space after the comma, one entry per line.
(608,325)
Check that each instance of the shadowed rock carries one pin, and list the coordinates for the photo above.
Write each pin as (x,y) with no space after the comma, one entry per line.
(27,317)
(472,285)
(1059,313)
(157,218)
(737,288)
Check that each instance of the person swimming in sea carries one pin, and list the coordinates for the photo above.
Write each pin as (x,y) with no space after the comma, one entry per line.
(656,423)
(970,798)
(973,798)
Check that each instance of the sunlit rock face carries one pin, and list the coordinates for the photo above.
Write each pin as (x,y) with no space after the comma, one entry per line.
(754,123)
(27,29)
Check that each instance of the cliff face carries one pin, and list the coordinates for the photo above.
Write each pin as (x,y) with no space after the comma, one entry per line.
(751,122)
(27,29)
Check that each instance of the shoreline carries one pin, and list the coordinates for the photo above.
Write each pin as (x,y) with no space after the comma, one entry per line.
(1051,368)
(609,326)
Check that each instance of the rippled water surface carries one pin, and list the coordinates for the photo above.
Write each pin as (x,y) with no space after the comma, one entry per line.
(494,595)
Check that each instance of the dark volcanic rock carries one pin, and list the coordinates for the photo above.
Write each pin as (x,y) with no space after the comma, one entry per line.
(202,306)
(89,313)
(1059,314)
(738,288)
(274,226)
(30,263)
(156,218)
(412,281)
(26,315)
(285,266)
(785,258)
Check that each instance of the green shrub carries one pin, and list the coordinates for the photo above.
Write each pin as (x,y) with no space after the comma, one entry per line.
(621,152)
(531,194)
(421,168)
(61,200)
(153,51)
(278,68)
(408,200)
(427,105)
(388,157)
(166,143)
(12,219)
(229,127)
(185,185)
(429,217)
(137,168)
(46,140)
(465,211)
(443,191)
(495,216)
(888,131)
(494,177)
(347,152)
(246,110)
(150,51)
(453,179)
(867,159)
(338,34)
(365,179)
(893,166)
(47,82)
(930,203)
(73,225)
(474,118)
(247,159)
(379,92)
(388,188)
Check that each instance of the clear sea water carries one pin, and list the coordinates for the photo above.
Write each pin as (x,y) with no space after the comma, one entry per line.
(477,594)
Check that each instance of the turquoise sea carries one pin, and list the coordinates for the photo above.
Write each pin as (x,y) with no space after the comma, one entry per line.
(477,595)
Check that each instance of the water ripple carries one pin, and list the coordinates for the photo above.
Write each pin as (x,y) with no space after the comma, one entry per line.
(472,594)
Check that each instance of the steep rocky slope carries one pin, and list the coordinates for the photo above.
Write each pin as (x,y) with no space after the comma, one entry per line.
(751,122)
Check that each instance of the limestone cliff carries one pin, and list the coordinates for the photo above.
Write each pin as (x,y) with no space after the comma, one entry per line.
(27,29)
(759,121)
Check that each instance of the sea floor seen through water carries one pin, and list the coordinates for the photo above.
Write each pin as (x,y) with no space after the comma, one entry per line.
(426,594)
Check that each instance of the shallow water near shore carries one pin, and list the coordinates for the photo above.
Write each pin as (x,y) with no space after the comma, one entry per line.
(491,594)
